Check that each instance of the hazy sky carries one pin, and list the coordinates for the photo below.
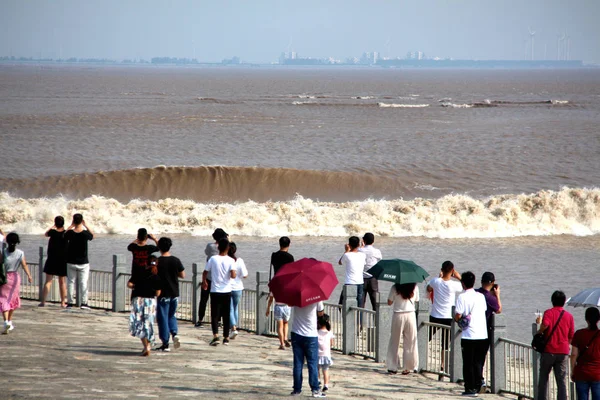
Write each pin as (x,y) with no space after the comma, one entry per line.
(259,30)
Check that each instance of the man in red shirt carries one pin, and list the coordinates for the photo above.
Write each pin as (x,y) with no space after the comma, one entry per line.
(556,353)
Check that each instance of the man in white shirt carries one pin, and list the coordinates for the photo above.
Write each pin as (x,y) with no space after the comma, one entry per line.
(373,255)
(305,344)
(472,305)
(223,271)
(443,290)
(354,261)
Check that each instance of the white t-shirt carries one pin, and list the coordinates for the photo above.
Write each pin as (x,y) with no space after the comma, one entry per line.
(304,320)
(242,272)
(473,303)
(220,268)
(354,263)
(400,303)
(444,297)
(12,261)
(325,342)
(373,256)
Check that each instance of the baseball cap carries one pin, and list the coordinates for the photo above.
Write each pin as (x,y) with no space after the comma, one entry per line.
(488,277)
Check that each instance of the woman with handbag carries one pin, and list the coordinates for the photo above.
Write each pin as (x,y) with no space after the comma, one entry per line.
(10,300)
(585,357)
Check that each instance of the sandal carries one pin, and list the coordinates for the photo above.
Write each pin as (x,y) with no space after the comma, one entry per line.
(405,372)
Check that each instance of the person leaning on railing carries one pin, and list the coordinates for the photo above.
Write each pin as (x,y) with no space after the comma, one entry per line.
(585,357)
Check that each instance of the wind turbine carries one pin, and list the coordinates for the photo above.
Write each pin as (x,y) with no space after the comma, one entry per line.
(532,34)
(388,46)
(567,46)
(560,39)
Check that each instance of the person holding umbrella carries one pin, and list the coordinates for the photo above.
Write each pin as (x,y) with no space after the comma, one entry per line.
(402,298)
(304,285)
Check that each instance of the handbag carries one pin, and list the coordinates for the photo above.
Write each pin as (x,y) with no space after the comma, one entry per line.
(539,341)
(2,270)
(464,321)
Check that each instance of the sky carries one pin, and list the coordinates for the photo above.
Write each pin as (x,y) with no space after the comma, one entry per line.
(259,30)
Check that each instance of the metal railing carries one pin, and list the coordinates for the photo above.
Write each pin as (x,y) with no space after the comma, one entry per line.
(518,368)
(100,289)
(247,310)
(438,349)
(184,307)
(366,335)
(337,325)
(28,290)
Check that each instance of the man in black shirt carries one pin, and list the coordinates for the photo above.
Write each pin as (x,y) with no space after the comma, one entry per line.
(281,257)
(77,237)
(170,270)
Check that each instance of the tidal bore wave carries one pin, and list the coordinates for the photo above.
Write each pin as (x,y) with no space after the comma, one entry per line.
(571,211)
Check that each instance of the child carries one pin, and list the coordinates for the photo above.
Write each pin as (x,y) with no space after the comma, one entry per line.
(325,342)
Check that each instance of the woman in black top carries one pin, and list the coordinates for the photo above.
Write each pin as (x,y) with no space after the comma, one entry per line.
(146,286)
(56,263)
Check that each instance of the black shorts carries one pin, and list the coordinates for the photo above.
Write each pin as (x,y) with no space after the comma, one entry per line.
(434,329)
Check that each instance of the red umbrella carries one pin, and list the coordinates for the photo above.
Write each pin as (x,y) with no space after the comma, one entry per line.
(303,282)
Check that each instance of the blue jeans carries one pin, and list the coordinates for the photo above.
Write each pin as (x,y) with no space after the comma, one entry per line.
(583,390)
(305,347)
(234,314)
(165,317)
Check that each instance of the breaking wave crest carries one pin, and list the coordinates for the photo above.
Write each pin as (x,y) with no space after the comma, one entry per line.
(396,105)
(568,211)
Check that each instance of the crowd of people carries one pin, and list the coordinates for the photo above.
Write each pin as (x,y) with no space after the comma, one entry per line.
(155,294)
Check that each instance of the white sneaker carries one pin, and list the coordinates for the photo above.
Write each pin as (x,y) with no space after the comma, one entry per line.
(233,335)
(176,342)
(7,328)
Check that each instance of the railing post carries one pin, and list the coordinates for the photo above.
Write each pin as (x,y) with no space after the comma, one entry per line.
(422,332)
(196,291)
(349,332)
(455,351)
(498,353)
(41,279)
(383,328)
(118,283)
(262,296)
(536,364)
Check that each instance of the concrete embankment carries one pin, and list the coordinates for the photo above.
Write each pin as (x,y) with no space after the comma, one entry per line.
(79,354)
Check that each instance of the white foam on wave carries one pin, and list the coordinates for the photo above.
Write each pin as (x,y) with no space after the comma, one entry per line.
(306,96)
(568,211)
(558,102)
(363,97)
(302,103)
(394,105)
(453,105)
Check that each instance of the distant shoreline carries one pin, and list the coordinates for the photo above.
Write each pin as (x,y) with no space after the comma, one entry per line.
(384,64)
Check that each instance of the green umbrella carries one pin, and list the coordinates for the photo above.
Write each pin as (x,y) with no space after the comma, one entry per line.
(398,271)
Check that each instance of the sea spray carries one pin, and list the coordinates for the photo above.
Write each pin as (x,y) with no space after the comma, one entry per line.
(571,211)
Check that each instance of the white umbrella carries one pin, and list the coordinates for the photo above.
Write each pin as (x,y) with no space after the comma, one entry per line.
(586,298)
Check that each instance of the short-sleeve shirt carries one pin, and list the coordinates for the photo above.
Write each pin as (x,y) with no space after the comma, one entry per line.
(444,297)
(400,303)
(220,267)
(492,305)
(141,254)
(473,303)
(168,272)
(560,339)
(211,250)
(57,246)
(12,261)
(304,322)
(241,272)
(373,256)
(588,365)
(77,246)
(145,284)
(355,263)
(279,259)
(325,342)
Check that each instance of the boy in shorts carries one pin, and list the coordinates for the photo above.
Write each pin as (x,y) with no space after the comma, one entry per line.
(281,313)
